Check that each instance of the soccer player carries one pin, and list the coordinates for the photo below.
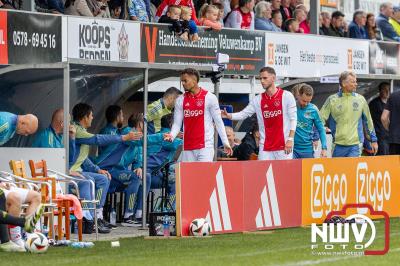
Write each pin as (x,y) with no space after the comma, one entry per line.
(197,109)
(307,118)
(28,223)
(21,124)
(276,116)
(163,106)
(83,116)
(345,113)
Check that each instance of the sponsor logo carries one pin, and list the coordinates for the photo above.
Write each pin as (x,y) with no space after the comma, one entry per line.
(94,42)
(271,114)
(192,113)
(355,106)
(123,44)
(335,238)
(264,217)
(271,54)
(350,59)
(328,191)
(219,206)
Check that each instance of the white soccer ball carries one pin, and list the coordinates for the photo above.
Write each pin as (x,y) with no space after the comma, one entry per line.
(37,243)
(199,227)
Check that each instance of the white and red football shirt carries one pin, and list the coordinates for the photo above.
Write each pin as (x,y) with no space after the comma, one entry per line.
(198,113)
(276,116)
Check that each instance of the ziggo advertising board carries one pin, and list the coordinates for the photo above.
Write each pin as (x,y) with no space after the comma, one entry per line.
(328,184)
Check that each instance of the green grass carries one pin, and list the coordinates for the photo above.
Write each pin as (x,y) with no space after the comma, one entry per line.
(281,247)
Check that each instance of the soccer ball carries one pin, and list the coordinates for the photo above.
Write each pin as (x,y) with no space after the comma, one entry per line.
(199,227)
(36,243)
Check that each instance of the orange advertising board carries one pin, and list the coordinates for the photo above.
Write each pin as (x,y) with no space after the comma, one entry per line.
(328,184)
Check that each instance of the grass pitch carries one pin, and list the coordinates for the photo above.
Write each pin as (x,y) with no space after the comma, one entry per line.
(280,247)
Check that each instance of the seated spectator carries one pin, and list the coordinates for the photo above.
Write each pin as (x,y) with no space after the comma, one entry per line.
(276,18)
(276,5)
(301,17)
(56,6)
(163,8)
(382,21)
(394,20)
(325,23)
(137,11)
(292,25)
(263,16)
(373,32)
(80,8)
(52,137)
(336,28)
(250,145)
(115,11)
(173,17)
(209,17)
(357,26)
(221,13)
(295,3)
(285,10)
(241,17)
(11,124)
(232,142)
(189,25)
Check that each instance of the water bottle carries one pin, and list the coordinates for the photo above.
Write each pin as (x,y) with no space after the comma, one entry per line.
(166,226)
(89,244)
(113,217)
(78,245)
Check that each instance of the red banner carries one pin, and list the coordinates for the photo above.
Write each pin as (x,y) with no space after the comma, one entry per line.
(272,194)
(239,196)
(3,38)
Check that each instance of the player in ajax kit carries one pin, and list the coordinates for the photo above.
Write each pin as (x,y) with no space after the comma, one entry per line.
(198,109)
(276,115)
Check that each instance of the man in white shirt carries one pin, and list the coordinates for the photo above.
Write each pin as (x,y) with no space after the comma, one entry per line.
(276,116)
(198,109)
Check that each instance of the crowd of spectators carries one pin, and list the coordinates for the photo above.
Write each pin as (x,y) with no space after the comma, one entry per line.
(273,15)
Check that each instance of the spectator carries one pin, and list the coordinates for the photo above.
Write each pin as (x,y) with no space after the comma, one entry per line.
(188,24)
(295,3)
(172,17)
(115,11)
(308,118)
(221,12)
(292,25)
(285,10)
(263,16)
(163,8)
(161,107)
(11,124)
(80,8)
(336,28)
(137,11)
(242,17)
(209,17)
(373,32)
(325,23)
(394,20)
(249,147)
(357,26)
(391,121)
(344,113)
(277,20)
(231,138)
(56,5)
(276,5)
(301,17)
(382,21)
(376,107)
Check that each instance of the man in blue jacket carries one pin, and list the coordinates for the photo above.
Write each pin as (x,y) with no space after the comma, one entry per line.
(307,118)
(357,26)
(382,21)
(11,124)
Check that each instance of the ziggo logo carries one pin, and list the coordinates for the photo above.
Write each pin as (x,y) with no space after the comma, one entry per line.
(329,191)
(270,114)
(188,113)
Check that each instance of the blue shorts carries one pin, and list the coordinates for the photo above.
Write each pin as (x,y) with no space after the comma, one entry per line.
(302,155)
(346,151)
